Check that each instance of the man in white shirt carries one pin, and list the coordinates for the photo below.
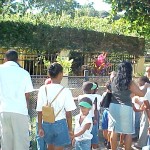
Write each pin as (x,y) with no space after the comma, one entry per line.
(15,85)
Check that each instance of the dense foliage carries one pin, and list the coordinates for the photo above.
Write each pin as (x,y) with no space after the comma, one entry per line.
(55,33)
(50,25)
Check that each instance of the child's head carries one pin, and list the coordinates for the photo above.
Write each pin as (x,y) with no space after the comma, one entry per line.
(85,105)
(89,87)
(96,89)
(143,80)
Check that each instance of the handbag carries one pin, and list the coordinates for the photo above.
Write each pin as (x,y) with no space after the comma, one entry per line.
(106,100)
(48,114)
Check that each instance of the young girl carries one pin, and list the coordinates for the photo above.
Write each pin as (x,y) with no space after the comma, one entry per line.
(53,133)
(83,126)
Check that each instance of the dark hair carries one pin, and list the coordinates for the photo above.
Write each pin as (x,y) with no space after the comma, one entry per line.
(87,87)
(55,69)
(11,55)
(108,85)
(124,76)
(86,99)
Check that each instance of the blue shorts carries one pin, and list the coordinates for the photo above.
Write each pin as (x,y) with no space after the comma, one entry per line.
(105,119)
(95,132)
(83,145)
(56,133)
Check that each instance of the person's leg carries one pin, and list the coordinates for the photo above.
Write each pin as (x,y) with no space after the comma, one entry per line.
(20,127)
(128,141)
(137,123)
(7,133)
(51,147)
(122,137)
(108,140)
(113,140)
(105,135)
(57,148)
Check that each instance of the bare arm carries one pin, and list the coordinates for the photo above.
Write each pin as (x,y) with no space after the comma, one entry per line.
(40,129)
(69,120)
(27,95)
(39,119)
(86,127)
(136,90)
(147,105)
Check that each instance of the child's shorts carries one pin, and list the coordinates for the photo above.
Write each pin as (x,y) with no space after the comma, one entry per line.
(105,119)
(56,133)
(83,145)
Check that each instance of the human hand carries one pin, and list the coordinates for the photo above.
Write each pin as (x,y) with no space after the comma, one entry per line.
(41,132)
(142,107)
(71,134)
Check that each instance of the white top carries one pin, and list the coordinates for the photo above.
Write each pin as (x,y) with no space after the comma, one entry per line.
(63,102)
(87,134)
(92,97)
(14,83)
(99,99)
(147,96)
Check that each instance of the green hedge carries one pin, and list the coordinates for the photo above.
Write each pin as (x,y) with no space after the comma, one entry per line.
(40,36)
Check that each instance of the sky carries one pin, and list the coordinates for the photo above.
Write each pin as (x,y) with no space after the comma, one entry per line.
(98,4)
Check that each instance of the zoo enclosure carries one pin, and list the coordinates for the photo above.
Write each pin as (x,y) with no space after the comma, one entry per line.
(34,61)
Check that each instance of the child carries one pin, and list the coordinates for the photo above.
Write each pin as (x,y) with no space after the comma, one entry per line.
(89,88)
(83,126)
(95,129)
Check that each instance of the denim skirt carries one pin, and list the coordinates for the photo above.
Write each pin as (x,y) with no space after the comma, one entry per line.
(121,119)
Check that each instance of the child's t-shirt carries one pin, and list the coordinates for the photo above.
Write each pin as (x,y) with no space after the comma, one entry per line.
(78,127)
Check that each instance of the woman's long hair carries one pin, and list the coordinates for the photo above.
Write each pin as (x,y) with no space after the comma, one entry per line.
(124,76)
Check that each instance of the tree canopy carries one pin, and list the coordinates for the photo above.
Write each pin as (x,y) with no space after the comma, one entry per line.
(137,12)
(43,6)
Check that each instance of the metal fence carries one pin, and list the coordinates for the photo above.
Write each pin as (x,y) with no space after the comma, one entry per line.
(75,85)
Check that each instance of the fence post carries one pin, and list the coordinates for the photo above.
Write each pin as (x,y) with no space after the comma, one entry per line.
(86,75)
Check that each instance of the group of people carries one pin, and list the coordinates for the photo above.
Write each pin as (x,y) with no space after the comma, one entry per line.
(118,119)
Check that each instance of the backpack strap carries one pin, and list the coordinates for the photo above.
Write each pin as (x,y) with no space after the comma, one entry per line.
(54,97)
